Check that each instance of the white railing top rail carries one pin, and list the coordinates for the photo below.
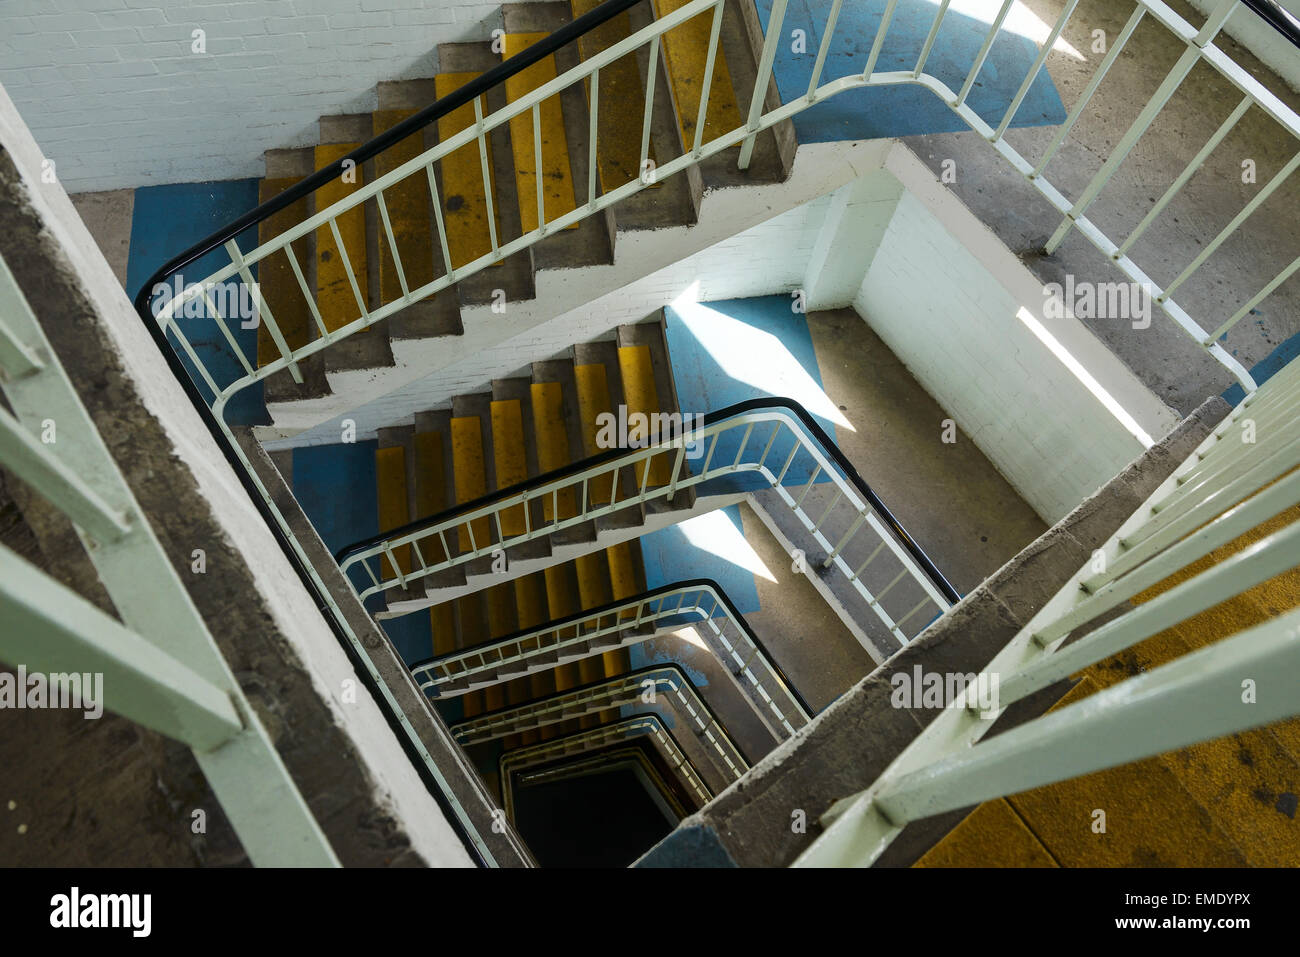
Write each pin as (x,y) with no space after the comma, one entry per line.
(1245,474)
(1200,47)
(792,432)
(594,738)
(637,688)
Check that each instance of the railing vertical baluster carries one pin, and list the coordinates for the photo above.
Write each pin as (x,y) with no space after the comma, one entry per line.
(1035,69)
(592,132)
(775,24)
(701,115)
(651,74)
(879,41)
(537,168)
(828,33)
(930,38)
(481,137)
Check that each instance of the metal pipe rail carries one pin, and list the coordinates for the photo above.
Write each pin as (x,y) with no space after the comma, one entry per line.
(195,377)
(159,666)
(593,738)
(699,601)
(1225,489)
(1200,47)
(603,762)
(597,696)
(859,538)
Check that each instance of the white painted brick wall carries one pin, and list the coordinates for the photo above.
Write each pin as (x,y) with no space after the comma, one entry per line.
(955,326)
(116,98)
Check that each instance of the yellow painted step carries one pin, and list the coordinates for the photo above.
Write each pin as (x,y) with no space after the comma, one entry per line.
(407,203)
(473,631)
(275,279)
(992,835)
(552,443)
(500,622)
(390,480)
(470,474)
(637,367)
(531,604)
(553,168)
(430,489)
(624,583)
(592,571)
(442,621)
(509,457)
(593,399)
(685,51)
(339,281)
(464,201)
(562,600)
(620,101)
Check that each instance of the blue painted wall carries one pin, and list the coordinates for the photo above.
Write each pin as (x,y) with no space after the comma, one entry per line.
(904,110)
(166,221)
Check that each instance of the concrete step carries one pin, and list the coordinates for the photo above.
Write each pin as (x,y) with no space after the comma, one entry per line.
(285,299)
(548,172)
(413,233)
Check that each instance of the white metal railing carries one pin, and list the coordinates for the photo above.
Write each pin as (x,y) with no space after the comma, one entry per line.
(1243,475)
(770,446)
(635,689)
(1200,48)
(779,705)
(595,738)
(603,762)
(160,666)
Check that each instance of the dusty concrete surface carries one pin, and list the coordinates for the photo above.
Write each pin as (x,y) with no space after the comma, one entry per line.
(1162,355)
(951,498)
(319,755)
(844,750)
(107,216)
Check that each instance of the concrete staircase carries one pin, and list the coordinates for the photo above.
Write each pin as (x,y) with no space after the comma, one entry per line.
(526,426)
(1231,802)
(471,222)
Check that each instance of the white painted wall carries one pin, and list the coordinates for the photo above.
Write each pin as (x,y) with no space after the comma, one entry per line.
(1261,39)
(115,96)
(957,307)
(749,241)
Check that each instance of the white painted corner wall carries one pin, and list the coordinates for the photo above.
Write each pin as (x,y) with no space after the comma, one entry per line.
(102,83)
(1054,410)
(1273,49)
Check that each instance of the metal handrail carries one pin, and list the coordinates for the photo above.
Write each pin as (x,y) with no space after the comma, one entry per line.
(601,473)
(1273,13)
(646,724)
(626,619)
(483,83)
(603,694)
(1223,490)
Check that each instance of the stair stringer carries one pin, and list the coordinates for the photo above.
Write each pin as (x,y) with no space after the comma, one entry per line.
(429,371)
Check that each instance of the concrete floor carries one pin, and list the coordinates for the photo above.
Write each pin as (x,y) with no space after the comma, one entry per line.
(1168,361)
(107,216)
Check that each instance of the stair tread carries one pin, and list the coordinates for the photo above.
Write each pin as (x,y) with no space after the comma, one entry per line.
(620,101)
(685,52)
(407,202)
(464,200)
(510,457)
(552,439)
(275,279)
(992,835)
(554,169)
(470,472)
(336,297)
(642,397)
(394,510)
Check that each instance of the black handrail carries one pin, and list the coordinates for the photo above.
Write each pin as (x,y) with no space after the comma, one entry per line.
(412,124)
(1272,13)
(690,583)
(709,418)
(639,672)
(464,94)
